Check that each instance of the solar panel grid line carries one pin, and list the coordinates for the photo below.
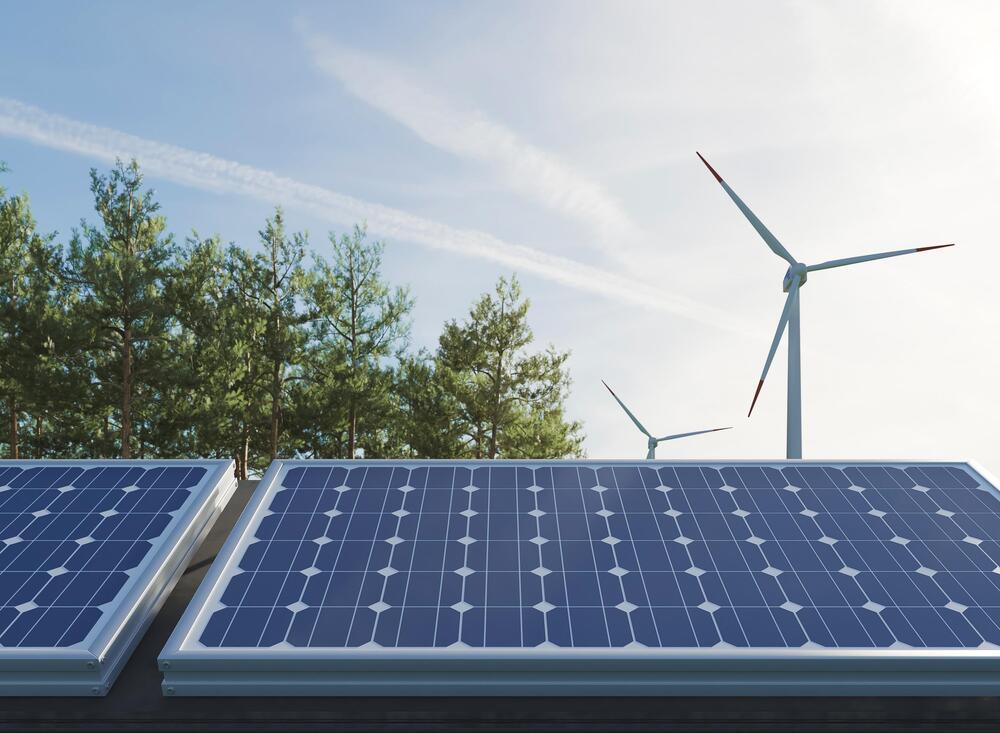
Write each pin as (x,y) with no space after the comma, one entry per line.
(58,482)
(608,610)
(854,579)
(725,589)
(614,555)
(841,584)
(129,571)
(425,479)
(336,508)
(909,531)
(389,565)
(89,550)
(935,580)
(878,580)
(441,579)
(464,499)
(369,568)
(301,544)
(841,560)
(685,543)
(520,563)
(149,523)
(673,513)
(882,519)
(24,544)
(562,564)
(744,551)
(486,570)
(833,581)
(709,560)
(756,582)
(673,575)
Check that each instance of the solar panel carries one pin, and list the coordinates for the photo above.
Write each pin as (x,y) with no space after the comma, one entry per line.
(89,550)
(562,577)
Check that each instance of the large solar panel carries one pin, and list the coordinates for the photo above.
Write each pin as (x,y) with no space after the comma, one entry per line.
(88,552)
(559,577)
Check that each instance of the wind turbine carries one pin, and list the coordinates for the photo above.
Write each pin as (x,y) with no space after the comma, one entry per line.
(795,278)
(651,441)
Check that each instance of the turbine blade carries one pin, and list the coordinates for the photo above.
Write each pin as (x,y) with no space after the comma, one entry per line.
(793,292)
(696,432)
(627,411)
(772,241)
(869,258)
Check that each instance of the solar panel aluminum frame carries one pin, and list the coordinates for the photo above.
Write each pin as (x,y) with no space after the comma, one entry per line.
(90,668)
(190,669)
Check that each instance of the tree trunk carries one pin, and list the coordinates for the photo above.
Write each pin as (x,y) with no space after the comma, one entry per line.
(352,412)
(276,372)
(126,448)
(244,457)
(38,436)
(15,449)
(496,404)
(352,425)
(275,409)
(107,435)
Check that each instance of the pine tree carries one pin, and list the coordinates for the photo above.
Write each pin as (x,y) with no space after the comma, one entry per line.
(120,267)
(36,376)
(268,291)
(196,363)
(361,323)
(511,402)
(429,419)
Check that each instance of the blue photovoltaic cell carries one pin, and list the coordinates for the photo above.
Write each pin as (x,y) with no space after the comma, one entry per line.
(71,537)
(584,555)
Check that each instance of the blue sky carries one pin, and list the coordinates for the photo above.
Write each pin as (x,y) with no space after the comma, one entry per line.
(557,140)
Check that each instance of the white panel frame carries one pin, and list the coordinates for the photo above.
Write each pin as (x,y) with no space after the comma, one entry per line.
(90,667)
(192,669)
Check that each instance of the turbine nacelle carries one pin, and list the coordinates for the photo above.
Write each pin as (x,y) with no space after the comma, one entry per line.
(799,270)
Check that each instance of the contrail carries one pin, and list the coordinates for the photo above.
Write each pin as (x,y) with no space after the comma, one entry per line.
(468,133)
(208,172)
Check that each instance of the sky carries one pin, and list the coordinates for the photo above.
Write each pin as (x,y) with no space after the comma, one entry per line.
(557,141)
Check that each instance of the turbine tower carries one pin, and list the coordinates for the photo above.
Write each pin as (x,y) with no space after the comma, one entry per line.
(795,278)
(652,442)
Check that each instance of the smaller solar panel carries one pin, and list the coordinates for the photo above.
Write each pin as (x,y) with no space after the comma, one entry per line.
(89,550)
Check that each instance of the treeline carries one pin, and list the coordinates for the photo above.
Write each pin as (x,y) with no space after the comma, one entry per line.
(126,342)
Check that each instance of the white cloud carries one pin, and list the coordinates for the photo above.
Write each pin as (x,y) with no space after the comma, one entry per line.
(468,133)
(208,172)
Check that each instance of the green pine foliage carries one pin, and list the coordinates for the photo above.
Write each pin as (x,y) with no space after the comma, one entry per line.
(510,400)
(124,343)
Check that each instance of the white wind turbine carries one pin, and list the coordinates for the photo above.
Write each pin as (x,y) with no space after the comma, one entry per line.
(652,442)
(795,278)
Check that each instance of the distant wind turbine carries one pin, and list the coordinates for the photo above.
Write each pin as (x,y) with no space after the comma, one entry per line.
(652,442)
(795,278)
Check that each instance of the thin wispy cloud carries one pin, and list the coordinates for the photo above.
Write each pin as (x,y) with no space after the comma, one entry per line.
(208,172)
(468,133)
